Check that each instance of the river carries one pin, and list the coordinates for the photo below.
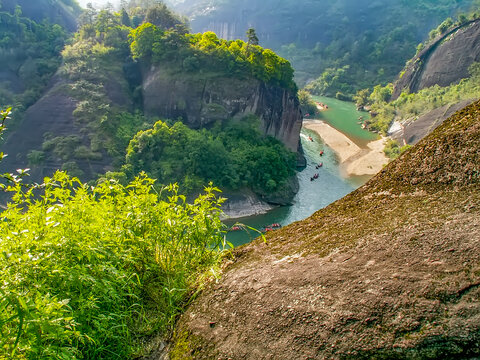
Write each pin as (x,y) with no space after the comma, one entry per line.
(330,185)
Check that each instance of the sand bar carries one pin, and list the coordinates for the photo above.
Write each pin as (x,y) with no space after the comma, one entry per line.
(354,160)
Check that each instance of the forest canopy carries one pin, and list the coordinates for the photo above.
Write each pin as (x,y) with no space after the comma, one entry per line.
(234,156)
(206,51)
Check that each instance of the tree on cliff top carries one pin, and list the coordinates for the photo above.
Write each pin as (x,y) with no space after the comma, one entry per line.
(252,38)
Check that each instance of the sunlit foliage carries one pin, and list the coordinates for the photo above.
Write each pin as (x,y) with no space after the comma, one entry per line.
(88,272)
(206,51)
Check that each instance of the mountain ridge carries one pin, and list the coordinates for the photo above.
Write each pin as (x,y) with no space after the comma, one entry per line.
(439,63)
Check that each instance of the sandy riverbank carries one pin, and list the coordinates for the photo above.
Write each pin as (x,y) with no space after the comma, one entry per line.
(354,160)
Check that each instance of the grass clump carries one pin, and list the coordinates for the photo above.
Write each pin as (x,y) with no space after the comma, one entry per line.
(91,272)
(393,149)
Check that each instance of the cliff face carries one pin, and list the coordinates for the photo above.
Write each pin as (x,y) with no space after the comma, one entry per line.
(391,271)
(444,62)
(51,117)
(202,99)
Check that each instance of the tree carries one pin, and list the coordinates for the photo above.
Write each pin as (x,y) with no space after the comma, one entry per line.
(142,40)
(159,15)
(125,18)
(88,15)
(361,97)
(252,38)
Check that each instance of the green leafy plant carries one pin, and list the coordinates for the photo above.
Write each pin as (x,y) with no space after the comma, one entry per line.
(90,271)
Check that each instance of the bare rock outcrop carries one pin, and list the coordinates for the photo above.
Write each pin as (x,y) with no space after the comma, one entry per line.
(391,271)
(443,62)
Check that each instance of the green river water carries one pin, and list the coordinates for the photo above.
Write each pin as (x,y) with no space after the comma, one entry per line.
(330,185)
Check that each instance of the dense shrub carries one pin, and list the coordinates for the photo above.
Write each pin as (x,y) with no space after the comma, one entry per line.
(232,157)
(208,52)
(86,272)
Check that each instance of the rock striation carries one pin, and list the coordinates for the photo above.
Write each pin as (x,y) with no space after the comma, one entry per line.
(443,62)
(202,99)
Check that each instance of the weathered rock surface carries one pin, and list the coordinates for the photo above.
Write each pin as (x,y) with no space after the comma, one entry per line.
(444,62)
(412,131)
(202,99)
(244,203)
(392,271)
(51,115)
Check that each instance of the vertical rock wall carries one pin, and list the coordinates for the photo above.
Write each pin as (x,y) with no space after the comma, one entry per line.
(202,99)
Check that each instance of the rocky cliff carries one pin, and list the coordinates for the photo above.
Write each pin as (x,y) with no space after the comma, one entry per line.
(202,99)
(444,61)
(391,271)
(51,137)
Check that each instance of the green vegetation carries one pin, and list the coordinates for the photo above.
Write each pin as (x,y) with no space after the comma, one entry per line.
(307,104)
(234,156)
(94,272)
(369,40)
(393,149)
(29,56)
(411,106)
(208,52)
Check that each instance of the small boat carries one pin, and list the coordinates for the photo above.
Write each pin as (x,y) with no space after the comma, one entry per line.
(235,228)
(319,166)
(275,225)
(321,153)
(310,138)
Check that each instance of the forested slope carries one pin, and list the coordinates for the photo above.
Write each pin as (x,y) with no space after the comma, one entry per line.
(118,79)
(350,44)
(32,35)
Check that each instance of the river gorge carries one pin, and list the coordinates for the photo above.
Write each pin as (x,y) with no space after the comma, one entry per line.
(332,183)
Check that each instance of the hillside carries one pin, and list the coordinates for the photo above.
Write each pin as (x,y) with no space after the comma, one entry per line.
(32,35)
(62,12)
(389,271)
(100,114)
(439,80)
(445,61)
(350,44)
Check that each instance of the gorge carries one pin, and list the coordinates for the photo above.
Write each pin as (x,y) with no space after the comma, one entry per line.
(124,253)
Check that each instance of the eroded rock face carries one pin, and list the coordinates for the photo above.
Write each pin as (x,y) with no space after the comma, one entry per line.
(444,62)
(51,116)
(392,271)
(202,99)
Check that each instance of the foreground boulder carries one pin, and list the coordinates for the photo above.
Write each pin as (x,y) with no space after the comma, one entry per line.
(390,271)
